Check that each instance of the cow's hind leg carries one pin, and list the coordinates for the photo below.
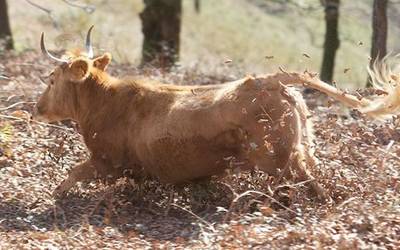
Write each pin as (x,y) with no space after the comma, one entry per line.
(305,159)
(300,161)
(299,155)
(288,162)
(283,149)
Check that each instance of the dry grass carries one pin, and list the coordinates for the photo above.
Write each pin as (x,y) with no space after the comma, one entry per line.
(359,167)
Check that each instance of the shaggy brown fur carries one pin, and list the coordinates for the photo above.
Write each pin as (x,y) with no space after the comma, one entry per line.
(183,133)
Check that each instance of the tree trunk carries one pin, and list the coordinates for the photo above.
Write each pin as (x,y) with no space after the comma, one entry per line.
(6,41)
(197,6)
(379,32)
(332,41)
(161,26)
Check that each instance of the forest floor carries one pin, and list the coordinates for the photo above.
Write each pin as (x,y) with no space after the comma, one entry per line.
(359,167)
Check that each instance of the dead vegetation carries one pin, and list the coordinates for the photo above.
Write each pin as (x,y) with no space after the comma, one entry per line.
(360,168)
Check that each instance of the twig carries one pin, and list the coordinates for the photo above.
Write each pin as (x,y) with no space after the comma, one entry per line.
(287,166)
(283,70)
(234,194)
(86,7)
(5,77)
(387,149)
(389,146)
(294,185)
(346,202)
(196,216)
(14,105)
(249,192)
(48,12)
(170,200)
(40,7)
(37,122)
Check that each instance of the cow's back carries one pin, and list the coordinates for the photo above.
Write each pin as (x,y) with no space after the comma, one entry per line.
(203,129)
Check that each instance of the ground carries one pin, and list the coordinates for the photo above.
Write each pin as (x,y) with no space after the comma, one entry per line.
(359,167)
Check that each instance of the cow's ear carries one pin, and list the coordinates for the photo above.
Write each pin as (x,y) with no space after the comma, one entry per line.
(102,62)
(79,70)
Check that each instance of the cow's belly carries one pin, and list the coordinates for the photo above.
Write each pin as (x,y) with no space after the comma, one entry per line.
(178,160)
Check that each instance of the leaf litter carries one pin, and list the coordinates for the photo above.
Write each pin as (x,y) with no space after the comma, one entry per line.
(359,167)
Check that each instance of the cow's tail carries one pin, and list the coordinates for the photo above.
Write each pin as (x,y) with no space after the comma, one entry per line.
(311,81)
(382,78)
(385,77)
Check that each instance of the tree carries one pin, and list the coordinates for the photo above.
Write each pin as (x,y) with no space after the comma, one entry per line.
(332,41)
(197,6)
(379,32)
(5,30)
(161,26)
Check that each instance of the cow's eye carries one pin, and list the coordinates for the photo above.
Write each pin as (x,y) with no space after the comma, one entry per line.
(51,82)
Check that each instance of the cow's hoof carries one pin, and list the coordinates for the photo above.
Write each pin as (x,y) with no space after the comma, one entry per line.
(60,191)
(321,193)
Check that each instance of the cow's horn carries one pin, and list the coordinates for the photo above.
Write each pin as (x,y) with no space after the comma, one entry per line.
(89,48)
(47,53)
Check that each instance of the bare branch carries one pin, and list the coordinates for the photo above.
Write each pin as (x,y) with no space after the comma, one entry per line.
(10,117)
(301,5)
(47,11)
(86,7)
(15,105)
(40,7)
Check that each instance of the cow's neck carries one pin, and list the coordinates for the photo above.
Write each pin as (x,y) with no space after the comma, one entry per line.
(95,103)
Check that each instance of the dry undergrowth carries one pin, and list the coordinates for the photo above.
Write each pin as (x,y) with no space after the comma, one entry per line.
(360,166)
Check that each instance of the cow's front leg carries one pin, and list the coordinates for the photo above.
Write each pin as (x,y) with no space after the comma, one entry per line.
(81,172)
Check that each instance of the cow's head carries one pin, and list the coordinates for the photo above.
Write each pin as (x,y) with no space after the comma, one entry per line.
(59,101)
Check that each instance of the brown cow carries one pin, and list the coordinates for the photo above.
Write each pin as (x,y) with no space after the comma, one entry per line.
(183,133)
